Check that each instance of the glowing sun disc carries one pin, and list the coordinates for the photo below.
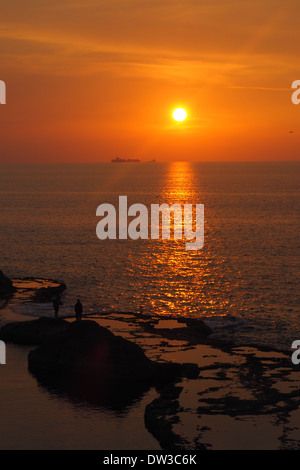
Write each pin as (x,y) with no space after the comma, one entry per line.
(179,114)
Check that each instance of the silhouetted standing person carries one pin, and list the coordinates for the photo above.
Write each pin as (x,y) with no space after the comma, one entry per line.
(78,310)
(56,303)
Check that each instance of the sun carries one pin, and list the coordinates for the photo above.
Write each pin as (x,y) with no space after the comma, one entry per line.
(179,114)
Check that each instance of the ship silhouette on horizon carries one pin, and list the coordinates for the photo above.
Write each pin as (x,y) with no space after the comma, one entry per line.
(125,160)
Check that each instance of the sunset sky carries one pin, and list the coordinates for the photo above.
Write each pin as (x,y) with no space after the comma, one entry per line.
(89,80)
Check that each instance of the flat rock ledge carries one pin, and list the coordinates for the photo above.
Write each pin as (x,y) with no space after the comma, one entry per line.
(32,332)
(160,416)
(91,353)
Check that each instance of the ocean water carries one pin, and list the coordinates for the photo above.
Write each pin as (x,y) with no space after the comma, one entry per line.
(245,279)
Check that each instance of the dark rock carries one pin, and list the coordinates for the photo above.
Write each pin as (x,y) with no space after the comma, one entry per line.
(198,326)
(161,414)
(47,294)
(91,352)
(159,419)
(83,360)
(6,286)
(190,370)
(32,332)
(193,331)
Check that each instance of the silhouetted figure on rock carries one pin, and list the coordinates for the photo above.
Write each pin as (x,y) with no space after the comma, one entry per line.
(78,310)
(56,303)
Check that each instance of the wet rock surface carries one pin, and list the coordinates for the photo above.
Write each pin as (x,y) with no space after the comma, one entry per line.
(87,349)
(32,332)
(88,359)
(160,416)
(213,394)
(192,330)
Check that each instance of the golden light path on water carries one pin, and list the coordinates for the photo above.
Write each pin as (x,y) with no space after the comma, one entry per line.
(184,277)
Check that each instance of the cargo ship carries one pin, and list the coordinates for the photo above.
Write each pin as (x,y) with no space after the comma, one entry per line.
(125,160)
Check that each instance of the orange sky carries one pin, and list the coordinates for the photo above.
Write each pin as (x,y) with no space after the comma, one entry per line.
(88,80)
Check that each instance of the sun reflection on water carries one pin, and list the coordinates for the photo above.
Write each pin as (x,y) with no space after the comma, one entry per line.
(185,280)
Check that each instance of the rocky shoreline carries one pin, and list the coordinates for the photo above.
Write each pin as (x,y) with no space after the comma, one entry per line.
(6,286)
(250,386)
(86,349)
(84,360)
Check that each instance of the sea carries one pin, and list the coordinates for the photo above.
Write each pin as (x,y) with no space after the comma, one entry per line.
(245,279)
